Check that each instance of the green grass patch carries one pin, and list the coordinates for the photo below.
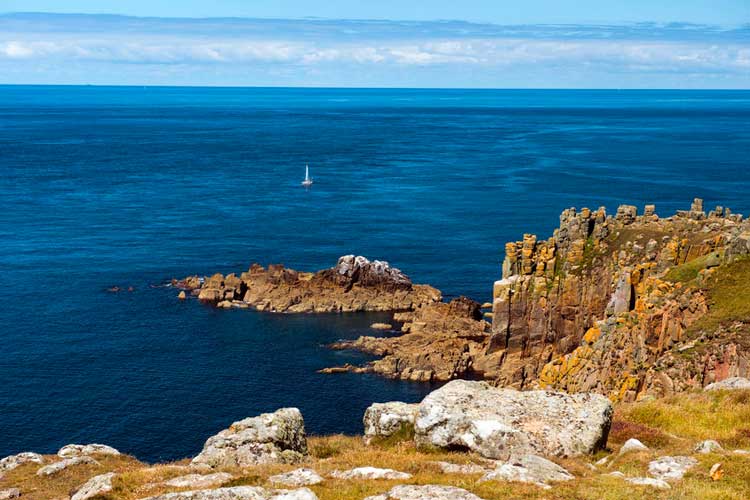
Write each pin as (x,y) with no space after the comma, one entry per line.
(729,296)
(688,271)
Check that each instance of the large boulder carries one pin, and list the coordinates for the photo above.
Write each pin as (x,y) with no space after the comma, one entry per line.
(270,437)
(386,419)
(500,423)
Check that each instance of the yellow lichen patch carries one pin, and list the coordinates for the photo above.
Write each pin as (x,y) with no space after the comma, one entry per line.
(592,335)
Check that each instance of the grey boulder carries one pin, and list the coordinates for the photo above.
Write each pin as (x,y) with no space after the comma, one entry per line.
(386,419)
(268,438)
(500,423)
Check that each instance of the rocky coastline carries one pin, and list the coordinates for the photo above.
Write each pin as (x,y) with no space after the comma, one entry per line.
(611,351)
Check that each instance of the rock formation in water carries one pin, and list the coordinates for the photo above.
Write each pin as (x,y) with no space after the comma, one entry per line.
(440,342)
(354,284)
(623,305)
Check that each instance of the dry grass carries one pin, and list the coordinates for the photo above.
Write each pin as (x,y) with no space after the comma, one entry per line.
(668,426)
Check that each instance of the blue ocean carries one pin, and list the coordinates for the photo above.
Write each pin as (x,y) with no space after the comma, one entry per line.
(132,186)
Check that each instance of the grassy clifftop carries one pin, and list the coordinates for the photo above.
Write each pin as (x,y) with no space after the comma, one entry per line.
(668,426)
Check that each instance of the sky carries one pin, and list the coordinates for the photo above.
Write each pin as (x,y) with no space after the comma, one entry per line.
(385,43)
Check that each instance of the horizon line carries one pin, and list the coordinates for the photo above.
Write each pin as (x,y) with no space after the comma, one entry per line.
(383,19)
(323,87)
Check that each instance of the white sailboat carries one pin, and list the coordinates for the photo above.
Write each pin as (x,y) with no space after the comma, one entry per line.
(308,180)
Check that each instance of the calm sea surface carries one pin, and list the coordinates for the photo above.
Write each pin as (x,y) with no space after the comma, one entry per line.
(132,186)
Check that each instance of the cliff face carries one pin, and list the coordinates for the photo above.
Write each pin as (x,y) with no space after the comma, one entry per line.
(617,305)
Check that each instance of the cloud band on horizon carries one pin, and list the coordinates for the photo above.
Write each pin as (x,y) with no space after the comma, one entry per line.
(56,48)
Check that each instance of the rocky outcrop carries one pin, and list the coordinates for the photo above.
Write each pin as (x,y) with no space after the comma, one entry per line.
(11,462)
(97,485)
(425,492)
(56,467)
(440,342)
(268,438)
(199,480)
(78,450)
(385,419)
(671,468)
(504,423)
(529,469)
(370,473)
(354,284)
(297,478)
(606,304)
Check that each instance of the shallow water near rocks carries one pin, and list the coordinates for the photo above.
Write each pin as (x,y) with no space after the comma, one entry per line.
(107,186)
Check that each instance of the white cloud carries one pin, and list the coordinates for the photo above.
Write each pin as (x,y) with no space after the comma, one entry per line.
(377,47)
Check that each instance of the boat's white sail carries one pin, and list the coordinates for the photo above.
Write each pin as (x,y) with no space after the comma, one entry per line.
(308,180)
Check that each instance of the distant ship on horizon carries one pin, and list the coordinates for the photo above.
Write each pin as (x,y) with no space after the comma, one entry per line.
(308,180)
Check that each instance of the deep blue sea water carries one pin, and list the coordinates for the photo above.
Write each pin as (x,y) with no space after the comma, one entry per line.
(106,186)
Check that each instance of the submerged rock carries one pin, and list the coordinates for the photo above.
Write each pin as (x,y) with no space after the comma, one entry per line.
(425,492)
(529,469)
(385,419)
(500,423)
(97,485)
(270,437)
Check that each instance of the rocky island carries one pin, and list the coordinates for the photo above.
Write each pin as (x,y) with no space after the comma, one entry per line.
(354,284)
